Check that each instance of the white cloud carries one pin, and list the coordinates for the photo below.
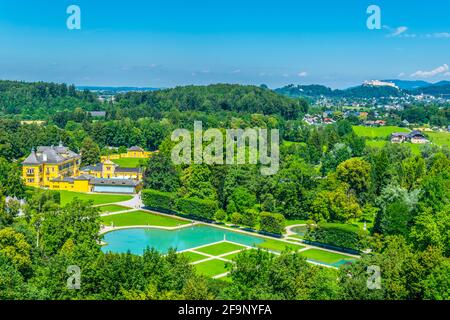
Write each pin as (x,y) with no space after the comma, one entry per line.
(439,35)
(302,74)
(428,74)
(236,71)
(401,74)
(395,32)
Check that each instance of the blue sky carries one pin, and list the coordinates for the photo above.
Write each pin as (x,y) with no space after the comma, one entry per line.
(158,43)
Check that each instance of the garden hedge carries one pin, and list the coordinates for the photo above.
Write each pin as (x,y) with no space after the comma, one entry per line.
(203,209)
(159,200)
(337,235)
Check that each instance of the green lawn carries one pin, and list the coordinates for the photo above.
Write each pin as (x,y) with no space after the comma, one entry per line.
(211,268)
(278,246)
(68,196)
(325,256)
(129,162)
(194,256)
(220,248)
(142,218)
(376,143)
(295,237)
(439,138)
(234,255)
(377,132)
(415,148)
(112,208)
(292,222)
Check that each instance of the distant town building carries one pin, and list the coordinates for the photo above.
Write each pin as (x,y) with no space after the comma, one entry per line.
(378,83)
(415,137)
(98,114)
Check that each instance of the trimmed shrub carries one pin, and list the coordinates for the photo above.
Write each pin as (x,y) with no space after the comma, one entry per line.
(249,218)
(159,200)
(220,215)
(337,235)
(236,218)
(204,209)
(271,222)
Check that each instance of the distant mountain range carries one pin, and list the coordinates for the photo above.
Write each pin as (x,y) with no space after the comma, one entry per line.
(368,90)
(115,89)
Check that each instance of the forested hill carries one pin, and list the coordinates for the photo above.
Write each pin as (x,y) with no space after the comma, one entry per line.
(61,103)
(217,97)
(39,100)
(367,91)
(363,91)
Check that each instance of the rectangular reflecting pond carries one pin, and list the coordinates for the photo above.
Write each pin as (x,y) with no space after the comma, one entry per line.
(136,240)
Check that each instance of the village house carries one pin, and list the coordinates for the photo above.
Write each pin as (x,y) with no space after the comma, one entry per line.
(415,137)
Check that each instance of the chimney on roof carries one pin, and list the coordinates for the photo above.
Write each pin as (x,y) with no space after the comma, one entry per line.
(60,143)
(44,156)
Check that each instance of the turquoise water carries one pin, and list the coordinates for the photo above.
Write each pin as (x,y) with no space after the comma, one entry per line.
(136,240)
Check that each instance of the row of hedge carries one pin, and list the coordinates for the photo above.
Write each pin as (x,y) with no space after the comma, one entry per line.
(337,235)
(169,202)
(203,209)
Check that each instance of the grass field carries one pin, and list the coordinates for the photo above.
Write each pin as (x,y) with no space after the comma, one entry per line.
(377,132)
(415,148)
(220,248)
(112,208)
(325,256)
(142,218)
(194,256)
(292,222)
(211,268)
(129,162)
(234,255)
(68,196)
(278,246)
(439,138)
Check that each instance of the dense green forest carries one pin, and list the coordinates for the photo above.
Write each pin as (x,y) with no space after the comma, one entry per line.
(328,177)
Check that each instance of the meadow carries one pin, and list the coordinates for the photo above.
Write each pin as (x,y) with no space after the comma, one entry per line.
(439,138)
(377,132)
(68,196)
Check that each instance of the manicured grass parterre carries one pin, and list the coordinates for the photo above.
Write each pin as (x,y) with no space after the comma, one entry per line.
(129,162)
(293,222)
(142,218)
(68,196)
(234,255)
(278,246)
(212,268)
(194,256)
(378,132)
(220,248)
(325,256)
(112,208)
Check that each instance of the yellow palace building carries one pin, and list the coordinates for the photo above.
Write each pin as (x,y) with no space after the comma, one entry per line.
(58,168)
(133,152)
(48,163)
